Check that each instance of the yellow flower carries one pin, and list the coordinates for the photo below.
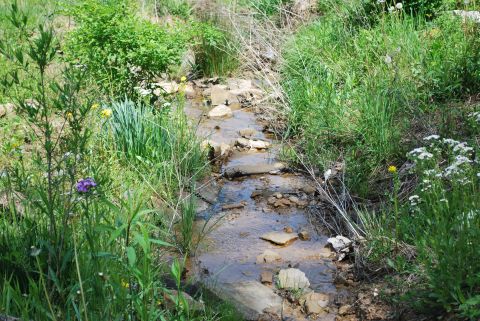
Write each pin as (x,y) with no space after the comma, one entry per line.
(106,113)
(69,116)
(392,169)
(15,145)
(95,106)
(183,79)
(125,284)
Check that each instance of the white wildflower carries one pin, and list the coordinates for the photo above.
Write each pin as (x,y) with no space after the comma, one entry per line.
(431,137)
(451,142)
(399,6)
(414,200)
(462,148)
(388,59)
(391,9)
(327,174)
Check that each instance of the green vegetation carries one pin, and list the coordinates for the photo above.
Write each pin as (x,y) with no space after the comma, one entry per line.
(119,49)
(357,91)
(367,86)
(95,175)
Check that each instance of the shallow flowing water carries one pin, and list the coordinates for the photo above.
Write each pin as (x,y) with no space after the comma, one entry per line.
(226,260)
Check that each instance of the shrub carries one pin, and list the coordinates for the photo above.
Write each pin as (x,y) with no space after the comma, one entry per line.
(119,49)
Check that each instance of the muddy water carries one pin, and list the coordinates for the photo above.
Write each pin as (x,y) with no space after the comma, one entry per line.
(227,256)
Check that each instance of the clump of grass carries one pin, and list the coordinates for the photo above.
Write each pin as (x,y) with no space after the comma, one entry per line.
(215,53)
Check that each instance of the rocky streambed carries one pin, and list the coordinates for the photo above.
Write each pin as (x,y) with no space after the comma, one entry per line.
(261,252)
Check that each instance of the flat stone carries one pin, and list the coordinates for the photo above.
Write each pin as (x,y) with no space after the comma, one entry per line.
(252,169)
(304,236)
(292,279)
(266,277)
(252,143)
(233,206)
(280,238)
(339,242)
(220,112)
(221,96)
(247,132)
(345,309)
(315,303)
(236,83)
(268,256)
(251,298)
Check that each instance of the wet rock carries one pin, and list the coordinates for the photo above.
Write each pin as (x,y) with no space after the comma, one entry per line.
(173,295)
(243,84)
(211,147)
(280,238)
(315,303)
(233,206)
(247,132)
(282,202)
(251,298)
(268,256)
(292,279)
(288,229)
(225,149)
(220,112)
(221,96)
(6,110)
(254,169)
(290,313)
(309,189)
(339,243)
(266,277)
(304,236)
(252,143)
(345,309)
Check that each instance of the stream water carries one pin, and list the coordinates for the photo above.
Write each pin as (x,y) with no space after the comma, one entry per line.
(246,208)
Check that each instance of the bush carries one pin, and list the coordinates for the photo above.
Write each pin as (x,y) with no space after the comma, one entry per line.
(356,92)
(119,49)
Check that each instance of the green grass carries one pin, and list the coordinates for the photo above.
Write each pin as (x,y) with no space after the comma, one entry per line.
(67,254)
(357,90)
(366,89)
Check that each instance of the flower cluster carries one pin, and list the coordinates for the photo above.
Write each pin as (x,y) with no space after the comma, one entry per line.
(85,185)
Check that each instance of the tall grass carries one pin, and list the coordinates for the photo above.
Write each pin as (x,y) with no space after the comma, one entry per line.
(365,89)
(160,142)
(355,90)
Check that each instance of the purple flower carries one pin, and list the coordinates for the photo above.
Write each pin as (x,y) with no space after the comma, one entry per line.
(84,185)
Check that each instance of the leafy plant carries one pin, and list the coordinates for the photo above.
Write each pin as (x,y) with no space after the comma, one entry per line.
(119,49)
